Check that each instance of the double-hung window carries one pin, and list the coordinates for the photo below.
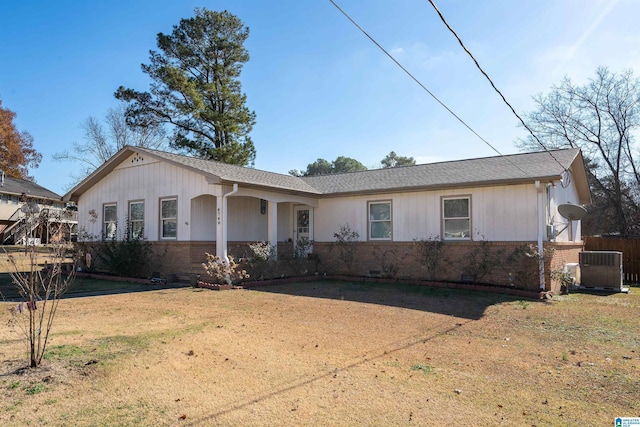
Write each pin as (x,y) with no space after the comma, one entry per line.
(456,217)
(136,220)
(110,221)
(168,218)
(380,225)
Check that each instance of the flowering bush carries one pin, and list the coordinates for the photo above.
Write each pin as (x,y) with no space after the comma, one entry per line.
(224,271)
(263,261)
(263,251)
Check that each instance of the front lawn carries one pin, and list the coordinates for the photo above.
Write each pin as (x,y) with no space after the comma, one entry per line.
(329,353)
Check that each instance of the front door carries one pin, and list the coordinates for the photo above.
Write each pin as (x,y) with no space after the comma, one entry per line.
(303,230)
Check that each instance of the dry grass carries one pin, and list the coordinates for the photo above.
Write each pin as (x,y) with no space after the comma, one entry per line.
(329,353)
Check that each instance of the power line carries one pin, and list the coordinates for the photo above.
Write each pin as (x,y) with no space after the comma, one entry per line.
(423,86)
(444,21)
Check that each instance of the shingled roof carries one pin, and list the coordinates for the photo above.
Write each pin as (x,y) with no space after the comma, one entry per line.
(18,186)
(235,173)
(515,168)
(512,169)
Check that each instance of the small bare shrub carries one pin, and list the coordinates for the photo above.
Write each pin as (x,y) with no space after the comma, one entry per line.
(303,248)
(524,265)
(302,262)
(224,272)
(40,288)
(481,262)
(429,253)
(346,243)
(388,260)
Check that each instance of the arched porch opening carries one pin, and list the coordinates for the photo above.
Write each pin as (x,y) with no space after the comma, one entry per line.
(203,218)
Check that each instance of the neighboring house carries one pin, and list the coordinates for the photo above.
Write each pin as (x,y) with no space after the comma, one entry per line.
(478,207)
(24,208)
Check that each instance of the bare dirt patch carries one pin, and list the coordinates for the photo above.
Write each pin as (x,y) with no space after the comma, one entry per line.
(329,353)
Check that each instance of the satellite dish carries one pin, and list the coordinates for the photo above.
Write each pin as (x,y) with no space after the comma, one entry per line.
(572,212)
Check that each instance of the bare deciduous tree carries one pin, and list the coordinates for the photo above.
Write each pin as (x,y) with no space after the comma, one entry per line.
(101,141)
(600,117)
(41,288)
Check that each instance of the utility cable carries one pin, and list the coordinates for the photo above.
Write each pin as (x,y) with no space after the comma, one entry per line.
(423,86)
(444,21)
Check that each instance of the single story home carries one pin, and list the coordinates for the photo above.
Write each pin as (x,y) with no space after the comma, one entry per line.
(473,214)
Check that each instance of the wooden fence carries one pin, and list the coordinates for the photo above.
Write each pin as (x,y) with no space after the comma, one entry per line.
(630,249)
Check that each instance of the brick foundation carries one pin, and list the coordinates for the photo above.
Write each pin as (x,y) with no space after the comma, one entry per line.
(506,263)
(477,263)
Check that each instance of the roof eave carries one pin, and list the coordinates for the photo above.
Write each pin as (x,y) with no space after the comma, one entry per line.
(282,189)
(579,173)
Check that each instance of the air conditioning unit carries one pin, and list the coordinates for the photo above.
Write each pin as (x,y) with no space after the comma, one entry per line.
(601,270)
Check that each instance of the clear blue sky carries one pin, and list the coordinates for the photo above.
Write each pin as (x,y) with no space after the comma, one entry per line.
(319,87)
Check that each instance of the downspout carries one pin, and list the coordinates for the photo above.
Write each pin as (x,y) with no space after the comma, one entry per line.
(224,221)
(541,227)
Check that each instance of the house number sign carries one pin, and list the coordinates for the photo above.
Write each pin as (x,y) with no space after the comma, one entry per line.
(219,217)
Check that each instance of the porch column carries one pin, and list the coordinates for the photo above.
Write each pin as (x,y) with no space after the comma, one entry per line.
(272,225)
(221,240)
(225,226)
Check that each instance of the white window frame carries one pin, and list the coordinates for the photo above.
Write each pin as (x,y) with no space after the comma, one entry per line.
(163,219)
(132,221)
(105,233)
(371,221)
(456,218)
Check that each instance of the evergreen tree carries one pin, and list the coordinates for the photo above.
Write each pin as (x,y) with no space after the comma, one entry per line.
(196,88)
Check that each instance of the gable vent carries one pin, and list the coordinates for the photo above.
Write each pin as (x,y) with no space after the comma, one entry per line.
(137,158)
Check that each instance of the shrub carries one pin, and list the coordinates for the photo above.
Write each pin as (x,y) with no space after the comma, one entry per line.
(303,248)
(41,290)
(130,257)
(263,251)
(303,261)
(346,243)
(224,272)
(481,262)
(388,260)
(564,278)
(524,264)
(429,253)
(263,260)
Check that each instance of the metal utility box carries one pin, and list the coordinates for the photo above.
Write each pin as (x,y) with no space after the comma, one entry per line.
(601,270)
(573,269)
